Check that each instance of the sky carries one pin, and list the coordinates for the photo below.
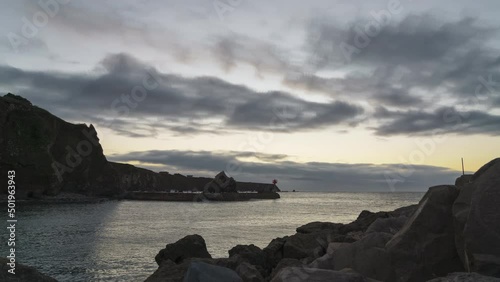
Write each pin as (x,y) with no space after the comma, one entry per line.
(322,95)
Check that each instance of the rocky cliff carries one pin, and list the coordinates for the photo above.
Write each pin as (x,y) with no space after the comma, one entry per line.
(51,156)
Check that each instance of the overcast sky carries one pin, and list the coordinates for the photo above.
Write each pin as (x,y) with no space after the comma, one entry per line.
(322,95)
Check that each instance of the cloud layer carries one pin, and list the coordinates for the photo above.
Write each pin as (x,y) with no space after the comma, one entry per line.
(127,93)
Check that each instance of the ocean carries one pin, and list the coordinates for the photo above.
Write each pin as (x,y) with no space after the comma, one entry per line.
(118,240)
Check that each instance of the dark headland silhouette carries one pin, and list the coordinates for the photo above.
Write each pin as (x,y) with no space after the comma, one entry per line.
(51,156)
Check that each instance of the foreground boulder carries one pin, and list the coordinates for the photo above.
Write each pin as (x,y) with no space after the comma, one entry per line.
(192,246)
(22,273)
(425,247)
(478,212)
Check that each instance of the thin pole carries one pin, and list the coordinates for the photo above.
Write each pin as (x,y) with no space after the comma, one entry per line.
(463,171)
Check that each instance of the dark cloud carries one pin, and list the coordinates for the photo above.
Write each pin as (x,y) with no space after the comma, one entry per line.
(407,64)
(313,176)
(440,121)
(131,98)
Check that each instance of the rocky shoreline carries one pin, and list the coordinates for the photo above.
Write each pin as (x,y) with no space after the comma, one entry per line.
(453,234)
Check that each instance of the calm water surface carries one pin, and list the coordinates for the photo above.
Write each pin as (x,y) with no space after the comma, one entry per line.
(118,240)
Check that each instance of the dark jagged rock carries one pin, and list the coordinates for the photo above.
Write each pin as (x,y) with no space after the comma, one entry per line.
(191,246)
(254,255)
(301,246)
(50,155)
(477,220)
(274,251)
(463,179)
(425,247)
(22,273)
(461,209)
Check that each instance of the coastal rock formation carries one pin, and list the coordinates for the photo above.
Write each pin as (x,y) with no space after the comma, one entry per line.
(50,155)
(425,247)
(477,220)
(22,273)
(191,246)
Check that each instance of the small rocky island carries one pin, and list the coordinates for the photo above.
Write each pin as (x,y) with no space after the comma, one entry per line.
(453,234)
(222,189)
